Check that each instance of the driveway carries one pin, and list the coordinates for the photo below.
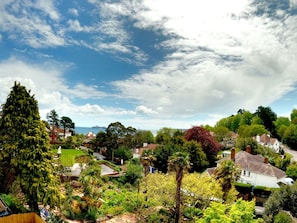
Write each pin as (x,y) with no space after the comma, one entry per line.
(105,170)
(292,152)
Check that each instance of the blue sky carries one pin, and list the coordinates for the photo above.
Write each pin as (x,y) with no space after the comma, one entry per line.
(150,63)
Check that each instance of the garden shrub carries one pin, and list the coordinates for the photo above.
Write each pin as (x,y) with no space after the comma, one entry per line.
(282,217)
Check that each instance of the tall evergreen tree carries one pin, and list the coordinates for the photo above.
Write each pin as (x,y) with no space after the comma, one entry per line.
(54,122)
(25,156)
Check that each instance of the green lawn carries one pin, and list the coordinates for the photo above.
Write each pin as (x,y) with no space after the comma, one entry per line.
(68,156)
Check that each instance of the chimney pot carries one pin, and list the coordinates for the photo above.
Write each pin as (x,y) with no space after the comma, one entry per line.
(266,160)
(248,149)
(233,154)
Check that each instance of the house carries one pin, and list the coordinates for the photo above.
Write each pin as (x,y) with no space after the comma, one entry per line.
(256,170)
(267,141)
(137,152)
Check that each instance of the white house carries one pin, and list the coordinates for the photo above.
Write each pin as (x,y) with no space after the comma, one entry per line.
(266,140)
(256,170)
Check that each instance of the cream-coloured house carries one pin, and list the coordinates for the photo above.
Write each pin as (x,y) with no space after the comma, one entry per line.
(268,141)
(256,170)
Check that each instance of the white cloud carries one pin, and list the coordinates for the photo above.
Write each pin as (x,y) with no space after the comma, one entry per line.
(145,110)
(222,57)
(73,12)
(46,82)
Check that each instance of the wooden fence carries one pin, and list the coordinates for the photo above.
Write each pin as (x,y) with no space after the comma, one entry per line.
(22,218)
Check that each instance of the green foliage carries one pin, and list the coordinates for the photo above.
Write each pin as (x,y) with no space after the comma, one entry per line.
(290,136)
(292,170)
(239,212)
(25,156)
(143,136)
(14,203)
(281,123)
(268,117)
(164,136)
(227,173)
(282,217)
(123,152)
(293,116)
(120,201)
(208,143)
(198,158)
(221,133)
(159,189)
(283,199)
(251,130)
(243,142)
(202,195)
(133,174)
(162,154)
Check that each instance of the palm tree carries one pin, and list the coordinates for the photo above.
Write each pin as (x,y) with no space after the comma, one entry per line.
(227,173)
(147,158)
(178,162)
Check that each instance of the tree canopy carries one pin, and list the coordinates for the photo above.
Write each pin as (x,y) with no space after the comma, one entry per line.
(209,145)
(25,155)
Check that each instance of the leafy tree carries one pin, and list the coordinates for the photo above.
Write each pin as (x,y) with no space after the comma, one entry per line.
(114,133)
(200,196)
(240,212)
(224,122)
(54,122)
(290,136)
(209,145)
(100,141)
(143,136)
(198,158)
(129,137)
(226,173)
(281,121)
(268,118)
(164,136)
(246,118)
(160,189)
(162,154)
(243,142)
(178,138)
(251,130)
(179,163)
(293,116)
(124,153)
(67,123)
(221,133)
(292,170)
(147,159)
(235,122)
(283,199)
(133,173)
(25,155)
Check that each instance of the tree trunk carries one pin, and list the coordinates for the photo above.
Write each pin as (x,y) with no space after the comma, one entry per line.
(179,176)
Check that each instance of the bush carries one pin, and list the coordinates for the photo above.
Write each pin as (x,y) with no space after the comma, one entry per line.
(282,217)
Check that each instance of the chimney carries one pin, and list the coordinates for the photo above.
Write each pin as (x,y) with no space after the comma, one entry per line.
(233,154)
(266,160)
(248,149)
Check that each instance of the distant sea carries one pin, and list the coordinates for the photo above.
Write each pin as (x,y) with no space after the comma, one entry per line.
(85,130)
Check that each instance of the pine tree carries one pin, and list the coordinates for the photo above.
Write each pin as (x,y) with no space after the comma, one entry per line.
(25,155)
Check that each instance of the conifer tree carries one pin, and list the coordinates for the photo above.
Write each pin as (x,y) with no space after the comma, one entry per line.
(25,155)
